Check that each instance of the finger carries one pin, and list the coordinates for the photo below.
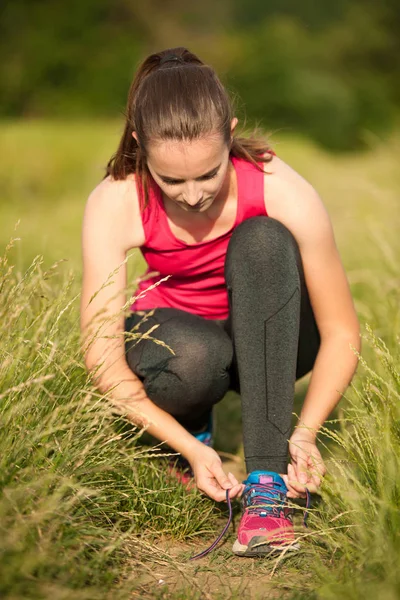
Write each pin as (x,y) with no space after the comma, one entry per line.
(310,484)
(212,491)
(317,466)
(295,495)
(233,479)
(235,491)
(316,469)
(301,468)
(315,478)
(294,490)
(239,491)
(291,492)
(220,475)
(294,482)
(311,487)
(301,474)
(217,495)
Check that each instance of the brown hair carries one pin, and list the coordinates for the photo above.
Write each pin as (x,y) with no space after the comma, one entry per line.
(175,96)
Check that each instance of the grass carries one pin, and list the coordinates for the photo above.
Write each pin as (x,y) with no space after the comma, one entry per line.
(75,485)
(85,510)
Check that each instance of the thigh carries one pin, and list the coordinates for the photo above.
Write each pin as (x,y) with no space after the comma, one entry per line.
(270,236)
(177,337)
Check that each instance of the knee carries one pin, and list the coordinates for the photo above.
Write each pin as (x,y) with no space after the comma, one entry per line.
(261,242)
(261,233)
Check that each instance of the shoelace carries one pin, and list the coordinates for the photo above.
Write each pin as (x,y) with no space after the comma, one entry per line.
(256,498)
(221,535)
(225,529)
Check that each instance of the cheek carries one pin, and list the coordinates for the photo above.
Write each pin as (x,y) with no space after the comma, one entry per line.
(216,184)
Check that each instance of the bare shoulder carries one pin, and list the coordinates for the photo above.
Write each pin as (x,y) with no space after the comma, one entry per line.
(285,189)
(291,199)
(113,204)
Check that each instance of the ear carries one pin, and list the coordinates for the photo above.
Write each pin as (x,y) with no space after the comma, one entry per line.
(234,122)
(134,134)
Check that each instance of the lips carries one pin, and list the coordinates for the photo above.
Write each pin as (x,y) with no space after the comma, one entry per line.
(198,206)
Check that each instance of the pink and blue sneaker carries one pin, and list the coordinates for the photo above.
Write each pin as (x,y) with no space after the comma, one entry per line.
(207,435)
(180,467)
(266,525)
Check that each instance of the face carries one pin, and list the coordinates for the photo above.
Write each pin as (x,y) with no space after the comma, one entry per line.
(190,173)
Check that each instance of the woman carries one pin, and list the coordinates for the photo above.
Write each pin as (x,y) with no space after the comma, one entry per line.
(252,294)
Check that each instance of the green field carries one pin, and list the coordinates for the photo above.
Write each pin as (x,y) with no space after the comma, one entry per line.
(87,511)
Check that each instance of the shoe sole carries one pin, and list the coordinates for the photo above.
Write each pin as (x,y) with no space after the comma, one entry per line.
(259,547)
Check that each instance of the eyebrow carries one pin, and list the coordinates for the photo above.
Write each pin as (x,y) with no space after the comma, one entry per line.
(166,178)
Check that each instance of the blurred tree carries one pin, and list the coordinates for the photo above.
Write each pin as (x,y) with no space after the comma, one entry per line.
(66,57)
(329,70)
(327,82)
(313,14)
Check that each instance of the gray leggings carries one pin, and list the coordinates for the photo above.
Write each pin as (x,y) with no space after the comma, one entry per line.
(269,340)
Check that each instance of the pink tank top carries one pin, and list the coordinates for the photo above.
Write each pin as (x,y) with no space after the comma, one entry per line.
(196,283)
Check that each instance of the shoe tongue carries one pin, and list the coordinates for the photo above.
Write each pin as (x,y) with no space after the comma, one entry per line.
(266,479)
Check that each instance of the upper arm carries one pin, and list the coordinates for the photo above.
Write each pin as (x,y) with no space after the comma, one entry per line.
(298,206)
(104,273)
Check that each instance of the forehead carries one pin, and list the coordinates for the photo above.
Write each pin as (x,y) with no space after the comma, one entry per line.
(182,159)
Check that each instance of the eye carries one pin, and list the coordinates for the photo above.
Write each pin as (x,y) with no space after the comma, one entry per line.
(206,177)
(172,182)
(177,182)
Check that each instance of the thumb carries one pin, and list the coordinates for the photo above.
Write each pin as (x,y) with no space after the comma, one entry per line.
(303,478)
(301,469)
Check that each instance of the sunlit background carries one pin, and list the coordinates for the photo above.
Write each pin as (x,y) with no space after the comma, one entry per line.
(321,79)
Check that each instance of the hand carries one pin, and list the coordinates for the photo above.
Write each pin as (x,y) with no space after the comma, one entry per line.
(307,467)
(209,475)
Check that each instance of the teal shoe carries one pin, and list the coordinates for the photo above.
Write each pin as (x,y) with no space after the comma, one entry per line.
(180,467)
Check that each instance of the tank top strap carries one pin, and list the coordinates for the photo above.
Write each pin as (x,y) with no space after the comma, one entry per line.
(250,184)
(151,213)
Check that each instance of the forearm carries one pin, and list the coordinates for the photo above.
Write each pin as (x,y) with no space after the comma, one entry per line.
(333,371)
(126,392)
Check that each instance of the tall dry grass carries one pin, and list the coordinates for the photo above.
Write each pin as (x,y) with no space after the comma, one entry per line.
(81,500)
(75,484)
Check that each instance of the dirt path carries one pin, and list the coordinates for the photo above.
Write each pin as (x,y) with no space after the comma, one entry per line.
(167,573)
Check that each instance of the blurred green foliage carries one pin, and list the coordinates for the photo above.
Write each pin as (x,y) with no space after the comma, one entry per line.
(328,70)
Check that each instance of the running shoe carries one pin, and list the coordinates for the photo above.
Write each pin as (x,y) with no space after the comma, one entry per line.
(266,525)
(206,436)
(180,467)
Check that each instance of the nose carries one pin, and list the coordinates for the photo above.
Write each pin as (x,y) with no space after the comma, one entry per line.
(192,195)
